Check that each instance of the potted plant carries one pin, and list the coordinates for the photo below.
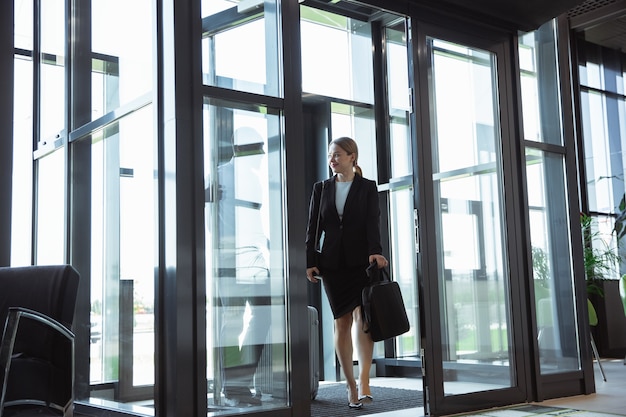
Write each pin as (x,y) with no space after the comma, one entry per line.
(601,261)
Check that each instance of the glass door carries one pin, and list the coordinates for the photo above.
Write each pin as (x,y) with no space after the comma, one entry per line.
(246,311)
(469,354)
(366,94)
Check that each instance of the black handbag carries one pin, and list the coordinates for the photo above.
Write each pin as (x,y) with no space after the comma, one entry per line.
(382,306)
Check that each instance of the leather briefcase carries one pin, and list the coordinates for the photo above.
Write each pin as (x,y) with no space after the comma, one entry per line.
(384,315)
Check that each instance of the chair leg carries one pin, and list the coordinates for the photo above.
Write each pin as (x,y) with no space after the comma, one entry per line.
(597,356)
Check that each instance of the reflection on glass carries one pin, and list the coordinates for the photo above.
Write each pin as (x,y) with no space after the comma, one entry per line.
(249,28)
(123,258)
(22,197)
(552,271)
(50,247)
(246,322)
(333,48)
(473,275)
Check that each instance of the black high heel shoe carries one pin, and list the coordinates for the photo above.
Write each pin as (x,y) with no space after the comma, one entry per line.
(355,405)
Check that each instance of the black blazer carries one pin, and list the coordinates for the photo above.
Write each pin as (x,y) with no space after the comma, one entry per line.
(346,243)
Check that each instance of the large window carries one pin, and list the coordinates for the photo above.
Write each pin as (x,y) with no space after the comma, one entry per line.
(603,108)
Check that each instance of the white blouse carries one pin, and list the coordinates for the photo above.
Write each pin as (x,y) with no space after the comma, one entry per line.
(341,194)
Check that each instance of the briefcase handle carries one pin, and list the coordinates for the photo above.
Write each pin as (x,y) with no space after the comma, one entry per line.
(376,274)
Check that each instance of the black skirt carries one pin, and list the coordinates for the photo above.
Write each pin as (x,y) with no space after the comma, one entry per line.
(343,288)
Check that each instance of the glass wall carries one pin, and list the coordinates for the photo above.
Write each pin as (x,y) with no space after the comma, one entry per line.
(548,204)
(115,347)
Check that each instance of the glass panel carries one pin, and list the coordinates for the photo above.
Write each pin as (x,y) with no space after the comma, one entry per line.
(22,197)
(552,272)
(105,81)
(590,68)
(52,105)
(598,154)
(357,123)
(53,28)
(123,70)
(246,315)
(539,81)
(402,228)
(23,29)
(473,275)
(51,209)
(123,258)
(333,46)
(250,28)
(399,100)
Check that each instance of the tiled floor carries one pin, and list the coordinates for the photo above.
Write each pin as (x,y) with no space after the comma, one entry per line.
(609,399)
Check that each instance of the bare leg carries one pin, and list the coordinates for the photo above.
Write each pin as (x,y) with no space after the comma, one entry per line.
(365,351)
(343,348)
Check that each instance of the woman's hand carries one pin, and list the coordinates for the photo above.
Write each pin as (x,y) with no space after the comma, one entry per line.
(380,260)
(312,273)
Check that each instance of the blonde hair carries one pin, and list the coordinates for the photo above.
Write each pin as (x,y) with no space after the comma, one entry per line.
(349,145)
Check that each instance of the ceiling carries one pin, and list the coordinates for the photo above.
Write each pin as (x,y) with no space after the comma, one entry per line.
(602,21)
(524,15)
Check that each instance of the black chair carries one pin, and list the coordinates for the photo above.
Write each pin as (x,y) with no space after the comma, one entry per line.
(37,352)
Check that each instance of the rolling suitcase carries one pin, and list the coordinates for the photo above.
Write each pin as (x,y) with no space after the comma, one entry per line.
(314,350)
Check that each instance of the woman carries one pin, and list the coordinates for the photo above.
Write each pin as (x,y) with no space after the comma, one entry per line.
(344,219)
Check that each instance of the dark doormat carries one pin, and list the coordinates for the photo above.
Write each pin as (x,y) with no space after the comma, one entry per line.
(34,411)
(332,401)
